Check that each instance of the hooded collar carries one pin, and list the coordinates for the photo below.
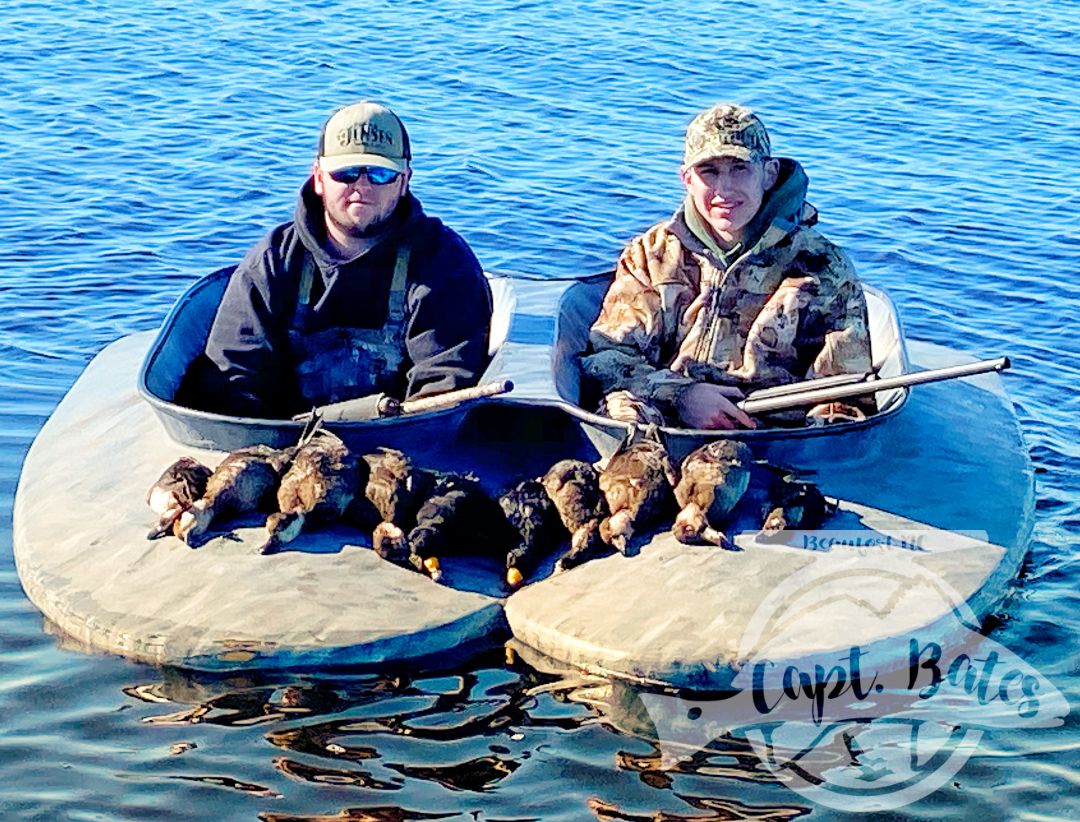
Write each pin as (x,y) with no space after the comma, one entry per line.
(782,208)
(310,222)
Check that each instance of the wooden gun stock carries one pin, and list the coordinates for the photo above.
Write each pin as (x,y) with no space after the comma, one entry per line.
(381,406)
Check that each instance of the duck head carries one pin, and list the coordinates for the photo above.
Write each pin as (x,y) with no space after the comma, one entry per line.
(389,542)
(281,529)
(617,530)
(194,522)
(692,528)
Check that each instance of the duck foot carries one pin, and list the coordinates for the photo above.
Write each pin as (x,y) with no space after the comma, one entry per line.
(427,565)
(514,578)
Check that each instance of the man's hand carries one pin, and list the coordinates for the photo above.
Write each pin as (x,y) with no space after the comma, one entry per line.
(704,405)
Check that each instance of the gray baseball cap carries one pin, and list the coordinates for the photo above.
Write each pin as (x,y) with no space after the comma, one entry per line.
(364,134)
(726,130)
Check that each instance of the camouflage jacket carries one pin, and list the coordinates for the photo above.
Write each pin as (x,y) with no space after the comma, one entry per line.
(788,308)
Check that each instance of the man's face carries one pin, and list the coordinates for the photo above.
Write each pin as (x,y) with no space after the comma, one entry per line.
(358,209)
(727,193)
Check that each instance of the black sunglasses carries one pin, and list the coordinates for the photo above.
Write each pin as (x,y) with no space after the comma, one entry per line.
(377,175)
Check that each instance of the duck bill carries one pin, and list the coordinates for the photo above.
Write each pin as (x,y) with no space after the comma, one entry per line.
(165,524)
(160,530)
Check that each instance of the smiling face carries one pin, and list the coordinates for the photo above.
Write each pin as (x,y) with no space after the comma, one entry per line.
(356,211)
(727,192)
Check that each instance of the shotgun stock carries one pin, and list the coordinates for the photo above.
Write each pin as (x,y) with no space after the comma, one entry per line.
(381,406)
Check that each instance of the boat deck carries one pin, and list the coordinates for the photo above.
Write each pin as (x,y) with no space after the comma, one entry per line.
(668,614)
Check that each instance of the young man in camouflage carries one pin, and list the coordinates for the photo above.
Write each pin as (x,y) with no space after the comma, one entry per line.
(735,292)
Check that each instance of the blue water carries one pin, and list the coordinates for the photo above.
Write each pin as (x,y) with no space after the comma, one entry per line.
(142,145)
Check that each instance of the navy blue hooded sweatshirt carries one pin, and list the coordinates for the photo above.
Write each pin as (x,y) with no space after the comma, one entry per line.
(246,370)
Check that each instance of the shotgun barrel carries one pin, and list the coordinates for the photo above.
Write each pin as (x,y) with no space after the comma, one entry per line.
(846,386)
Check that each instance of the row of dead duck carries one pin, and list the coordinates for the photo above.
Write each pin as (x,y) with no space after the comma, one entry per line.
(416,515)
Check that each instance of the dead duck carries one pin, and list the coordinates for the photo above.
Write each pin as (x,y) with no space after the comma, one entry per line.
(457,514)
(245,481)
(714,479)
(574,488)
(638,483)
(320,484)
(392,494)
(176,489)
(537,526)
(794,505)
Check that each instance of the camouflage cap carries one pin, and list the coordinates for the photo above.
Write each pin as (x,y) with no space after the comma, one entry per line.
(726,130)
(364,134)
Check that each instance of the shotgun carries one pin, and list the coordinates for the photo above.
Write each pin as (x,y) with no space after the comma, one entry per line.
(846,386)
(380,406)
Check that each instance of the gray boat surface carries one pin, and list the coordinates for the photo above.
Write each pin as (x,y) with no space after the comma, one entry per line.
(538,329)
(80,520)
(80,524)
(694,617)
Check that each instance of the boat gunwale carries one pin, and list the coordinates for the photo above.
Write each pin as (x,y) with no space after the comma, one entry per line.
(757,434)
(185,415)
(172,414)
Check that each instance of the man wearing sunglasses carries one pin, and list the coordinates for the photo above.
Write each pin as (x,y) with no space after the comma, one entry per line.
(361,293)
(734,292)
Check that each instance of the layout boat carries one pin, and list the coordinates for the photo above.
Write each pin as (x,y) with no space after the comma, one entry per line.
(539,358)
(80,520)
(578,307)
(183,336)
(935,505)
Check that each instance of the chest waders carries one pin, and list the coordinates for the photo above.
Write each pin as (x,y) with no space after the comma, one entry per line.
(344,363)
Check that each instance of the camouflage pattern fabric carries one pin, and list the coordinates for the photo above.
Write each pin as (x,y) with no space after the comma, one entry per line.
(626,407)
(726,130)
(789,309)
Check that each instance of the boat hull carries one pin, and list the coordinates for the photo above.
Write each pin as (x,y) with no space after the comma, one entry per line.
(956,467)
(183,336)
(80,524)
(669,615)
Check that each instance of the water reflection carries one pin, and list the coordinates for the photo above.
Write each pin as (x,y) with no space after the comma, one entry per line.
(396,732)
(382,814)
(235,784)
(253,698)
(320,740)
(334,776)
(718,810)
(473,775)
